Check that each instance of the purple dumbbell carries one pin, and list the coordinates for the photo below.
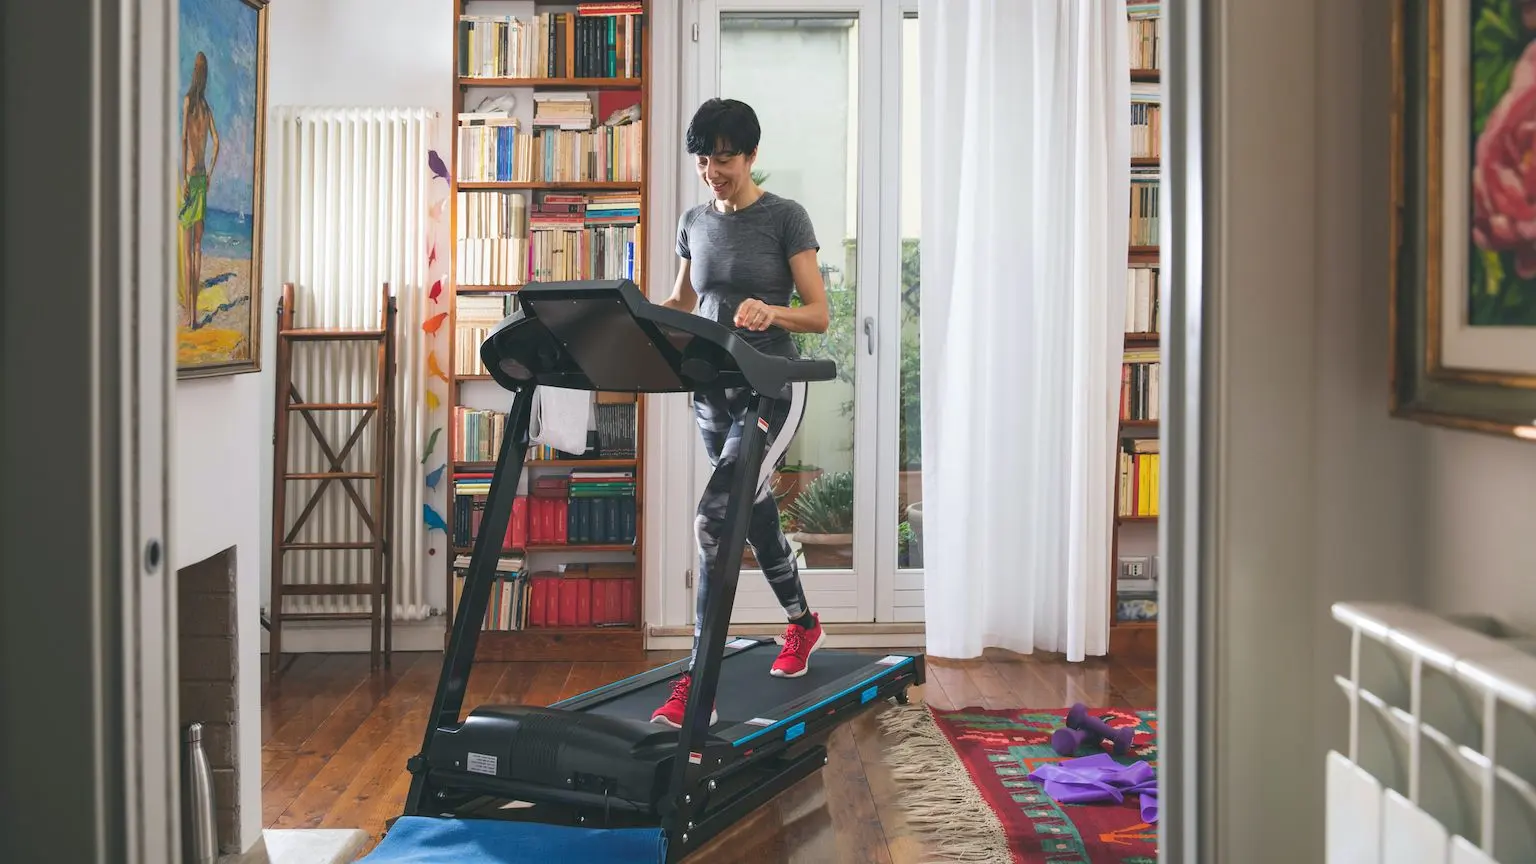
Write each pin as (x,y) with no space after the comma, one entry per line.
(1067,741)
(1095,730)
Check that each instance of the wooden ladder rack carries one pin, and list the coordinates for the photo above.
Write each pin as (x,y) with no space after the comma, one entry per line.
(377,516)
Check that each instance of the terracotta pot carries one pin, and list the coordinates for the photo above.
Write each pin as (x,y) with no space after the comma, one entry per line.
(787,485)
(833,551)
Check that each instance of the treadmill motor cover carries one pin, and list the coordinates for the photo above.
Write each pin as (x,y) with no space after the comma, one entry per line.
(614,757)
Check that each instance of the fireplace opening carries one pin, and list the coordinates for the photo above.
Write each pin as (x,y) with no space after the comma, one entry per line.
(207,627)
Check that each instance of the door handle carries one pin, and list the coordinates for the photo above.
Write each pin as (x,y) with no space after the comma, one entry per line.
(869,333)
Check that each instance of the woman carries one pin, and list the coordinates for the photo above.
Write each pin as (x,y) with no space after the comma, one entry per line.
(744,254)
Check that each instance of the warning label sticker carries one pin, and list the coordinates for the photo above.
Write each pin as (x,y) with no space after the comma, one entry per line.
(480,763)
(696,758)
(762,423)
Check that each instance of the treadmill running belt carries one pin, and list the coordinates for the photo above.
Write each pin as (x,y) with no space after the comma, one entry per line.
(746,690)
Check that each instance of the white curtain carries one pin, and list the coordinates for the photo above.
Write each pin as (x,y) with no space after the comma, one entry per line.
(1026,185)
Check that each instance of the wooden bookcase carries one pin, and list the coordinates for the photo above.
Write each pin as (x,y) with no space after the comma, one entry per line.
(492,57)
(1139,425)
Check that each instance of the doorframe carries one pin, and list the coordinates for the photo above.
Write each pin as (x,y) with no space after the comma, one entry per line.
(1189,645)
(103,687)
(874,559)
(887,574)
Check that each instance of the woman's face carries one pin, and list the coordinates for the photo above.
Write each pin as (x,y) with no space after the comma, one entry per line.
(725,173)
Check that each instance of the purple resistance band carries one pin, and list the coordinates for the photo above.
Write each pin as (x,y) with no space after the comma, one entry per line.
(1099,779)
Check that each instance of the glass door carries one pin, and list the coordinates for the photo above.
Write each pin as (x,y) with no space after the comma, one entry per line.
(811,72)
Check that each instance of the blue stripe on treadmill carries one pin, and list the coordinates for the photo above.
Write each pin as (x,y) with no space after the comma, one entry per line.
(869,694)
(809,708)
(794,731)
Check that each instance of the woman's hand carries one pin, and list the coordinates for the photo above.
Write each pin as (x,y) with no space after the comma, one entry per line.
(754,314)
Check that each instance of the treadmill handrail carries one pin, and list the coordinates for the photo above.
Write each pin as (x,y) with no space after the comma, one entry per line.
(525,348)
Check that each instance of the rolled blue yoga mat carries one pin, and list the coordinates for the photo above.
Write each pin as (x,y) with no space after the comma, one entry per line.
(428,840)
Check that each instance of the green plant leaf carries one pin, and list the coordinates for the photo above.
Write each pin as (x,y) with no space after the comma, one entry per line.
(825,506)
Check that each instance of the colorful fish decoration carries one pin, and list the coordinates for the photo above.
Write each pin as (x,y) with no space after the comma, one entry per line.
(431,444)
(432,401)
(433,519)
(436,476)
(435,162)
(436,321)
(435,370)
(437,291)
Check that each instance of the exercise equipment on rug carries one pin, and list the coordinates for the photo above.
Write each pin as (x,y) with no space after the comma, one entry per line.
(590,778)
(1084,729)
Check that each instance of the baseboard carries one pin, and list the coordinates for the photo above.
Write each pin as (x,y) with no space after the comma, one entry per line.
(861,635)
(351,637)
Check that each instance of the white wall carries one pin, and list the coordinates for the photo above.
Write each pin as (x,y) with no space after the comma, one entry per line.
(355,53)
(215,504)
(1480,494)
(336,52)
(1324,496)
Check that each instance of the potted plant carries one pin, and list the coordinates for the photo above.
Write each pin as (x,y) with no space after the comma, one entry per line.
(791,480)
(823,518)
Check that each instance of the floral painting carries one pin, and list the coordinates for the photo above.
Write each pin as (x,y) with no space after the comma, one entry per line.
(1463,214)
(221,91)
(1502,270)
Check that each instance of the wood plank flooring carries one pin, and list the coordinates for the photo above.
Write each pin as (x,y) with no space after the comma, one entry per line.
(335,739)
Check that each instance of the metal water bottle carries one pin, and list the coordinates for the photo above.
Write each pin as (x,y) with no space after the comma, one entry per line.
(200,843)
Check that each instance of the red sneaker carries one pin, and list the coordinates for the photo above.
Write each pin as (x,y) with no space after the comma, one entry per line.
(799,642)
(671,712)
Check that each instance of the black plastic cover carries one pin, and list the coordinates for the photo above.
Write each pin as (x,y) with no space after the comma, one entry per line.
(605,335)
(626,760)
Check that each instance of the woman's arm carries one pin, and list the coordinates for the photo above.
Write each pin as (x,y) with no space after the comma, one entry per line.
(812,315)
(683,298)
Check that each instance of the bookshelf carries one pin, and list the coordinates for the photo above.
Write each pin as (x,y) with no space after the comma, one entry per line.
(548,182)
(1133,595)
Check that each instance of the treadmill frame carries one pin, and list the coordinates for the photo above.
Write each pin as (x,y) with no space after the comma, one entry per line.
(781,754)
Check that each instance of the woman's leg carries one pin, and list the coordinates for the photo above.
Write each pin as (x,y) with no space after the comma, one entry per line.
(803,634)
(719,430)
(719,417)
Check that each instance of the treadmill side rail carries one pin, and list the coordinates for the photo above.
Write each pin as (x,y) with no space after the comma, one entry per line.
(470,615)
(691,762)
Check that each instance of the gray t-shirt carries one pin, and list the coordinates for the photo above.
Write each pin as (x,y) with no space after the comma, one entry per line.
(746,254)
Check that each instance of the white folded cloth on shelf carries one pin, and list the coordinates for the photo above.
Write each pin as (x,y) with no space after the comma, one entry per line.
(561,418)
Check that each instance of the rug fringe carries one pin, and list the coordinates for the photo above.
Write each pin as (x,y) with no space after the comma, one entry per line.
(939,798)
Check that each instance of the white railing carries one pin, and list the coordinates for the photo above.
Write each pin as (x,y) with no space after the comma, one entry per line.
(1442,741)
(351,213)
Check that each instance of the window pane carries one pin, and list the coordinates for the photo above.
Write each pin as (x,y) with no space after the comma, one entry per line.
(800,75)
(909,453)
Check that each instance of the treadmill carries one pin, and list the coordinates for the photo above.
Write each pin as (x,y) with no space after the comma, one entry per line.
(595,760)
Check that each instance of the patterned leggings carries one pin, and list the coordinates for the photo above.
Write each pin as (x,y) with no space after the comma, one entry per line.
(721,415)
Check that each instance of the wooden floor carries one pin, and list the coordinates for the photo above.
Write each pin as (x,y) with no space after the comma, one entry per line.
(335,739)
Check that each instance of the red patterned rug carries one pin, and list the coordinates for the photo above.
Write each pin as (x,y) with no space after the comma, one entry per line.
(966,787)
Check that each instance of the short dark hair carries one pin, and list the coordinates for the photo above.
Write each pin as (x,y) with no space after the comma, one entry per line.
(723,126)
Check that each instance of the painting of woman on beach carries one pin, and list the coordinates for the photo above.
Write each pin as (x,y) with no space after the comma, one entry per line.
(219,185)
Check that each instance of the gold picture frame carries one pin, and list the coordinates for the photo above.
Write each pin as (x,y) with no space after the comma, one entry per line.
(1462,356)
(220,156)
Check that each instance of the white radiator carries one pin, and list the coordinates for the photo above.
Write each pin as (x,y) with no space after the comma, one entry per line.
(1442,741)
(351,212)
